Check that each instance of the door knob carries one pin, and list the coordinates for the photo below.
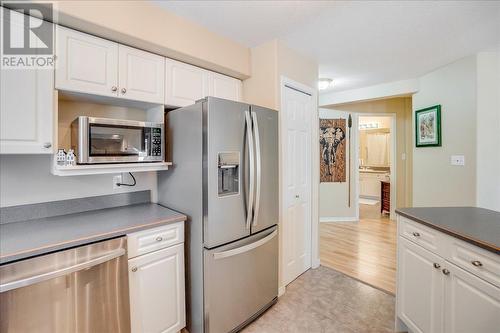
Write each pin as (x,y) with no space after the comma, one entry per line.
(124,90)
(114,88)
(436,265)
(134,269)
(446,272)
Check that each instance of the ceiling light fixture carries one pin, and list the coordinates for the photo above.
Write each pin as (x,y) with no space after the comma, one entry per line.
(325,83)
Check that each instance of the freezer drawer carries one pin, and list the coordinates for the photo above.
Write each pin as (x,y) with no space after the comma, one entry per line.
(241,279)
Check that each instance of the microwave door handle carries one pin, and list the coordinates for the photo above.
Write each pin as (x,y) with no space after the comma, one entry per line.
(252,167)
(258,162)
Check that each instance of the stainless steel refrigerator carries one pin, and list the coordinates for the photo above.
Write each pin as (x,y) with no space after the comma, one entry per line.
(225,178)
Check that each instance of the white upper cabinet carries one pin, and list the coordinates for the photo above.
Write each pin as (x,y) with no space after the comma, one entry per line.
(92,65)
(26,108)
(223,86)
(185,84)
(85,63)
(141,75)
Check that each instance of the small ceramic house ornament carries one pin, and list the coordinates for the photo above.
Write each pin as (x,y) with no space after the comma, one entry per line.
(71,158)
(61,157)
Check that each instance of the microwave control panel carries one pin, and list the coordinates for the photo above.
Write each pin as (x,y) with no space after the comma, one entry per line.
(156,141)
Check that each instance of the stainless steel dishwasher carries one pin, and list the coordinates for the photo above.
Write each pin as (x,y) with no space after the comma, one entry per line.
(84,289)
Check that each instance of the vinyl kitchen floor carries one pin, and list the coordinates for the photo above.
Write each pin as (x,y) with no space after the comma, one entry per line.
(324,300)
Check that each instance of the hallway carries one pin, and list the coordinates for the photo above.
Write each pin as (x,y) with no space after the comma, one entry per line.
(364,250)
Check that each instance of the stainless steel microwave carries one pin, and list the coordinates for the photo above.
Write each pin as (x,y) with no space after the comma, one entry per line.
(103,140)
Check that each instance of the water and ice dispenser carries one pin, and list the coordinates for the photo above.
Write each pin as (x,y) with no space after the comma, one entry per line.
(229,173)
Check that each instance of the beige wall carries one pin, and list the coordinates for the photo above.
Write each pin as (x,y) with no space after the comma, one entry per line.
(270,61)
(145,25)
(488,130)
(401,106)
(435,181)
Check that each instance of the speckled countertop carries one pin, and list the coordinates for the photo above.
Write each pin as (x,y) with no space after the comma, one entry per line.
(19,240)
(477,226)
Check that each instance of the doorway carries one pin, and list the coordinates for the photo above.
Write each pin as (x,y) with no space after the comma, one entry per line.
(360,240)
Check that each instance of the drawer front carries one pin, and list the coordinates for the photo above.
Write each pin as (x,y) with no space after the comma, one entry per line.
(424,236)
(482,263)
(150,240)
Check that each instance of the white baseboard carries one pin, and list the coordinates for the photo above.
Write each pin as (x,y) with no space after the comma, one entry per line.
(315,263)
(338,219)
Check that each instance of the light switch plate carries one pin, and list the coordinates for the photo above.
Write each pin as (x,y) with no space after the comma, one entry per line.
(457,160)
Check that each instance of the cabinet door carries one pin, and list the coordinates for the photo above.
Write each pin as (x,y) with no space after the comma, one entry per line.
(85,63)
(26,107)
(420,288)
(141,75)
(185,84)
(223,86)
(157,291)
(471,304)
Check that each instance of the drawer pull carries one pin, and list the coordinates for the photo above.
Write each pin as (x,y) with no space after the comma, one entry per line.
(134,269)
(159,239)
(477,263)
(416,234)
(446,272)
(436,265)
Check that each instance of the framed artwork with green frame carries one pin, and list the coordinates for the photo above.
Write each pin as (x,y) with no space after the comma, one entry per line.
(428,127)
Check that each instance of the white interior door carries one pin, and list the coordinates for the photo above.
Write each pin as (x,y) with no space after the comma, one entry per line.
(296,228)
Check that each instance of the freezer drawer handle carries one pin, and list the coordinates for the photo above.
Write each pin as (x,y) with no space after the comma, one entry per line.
(60,272)
(245,248)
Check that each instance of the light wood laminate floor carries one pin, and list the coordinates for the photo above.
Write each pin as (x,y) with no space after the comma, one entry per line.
(364,250)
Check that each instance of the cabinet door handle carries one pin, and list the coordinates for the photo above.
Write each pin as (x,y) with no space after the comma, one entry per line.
(114,88)
(134,269)
(47,145)
(436,265)
(124,90)
(159,239)
(416,234)
(446,272)
(477,263)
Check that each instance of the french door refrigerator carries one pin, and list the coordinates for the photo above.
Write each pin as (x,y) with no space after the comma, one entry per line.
(225,178)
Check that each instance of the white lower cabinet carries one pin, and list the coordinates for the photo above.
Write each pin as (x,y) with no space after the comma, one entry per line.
(435,295)
(157,297)
(472,304)
(420,288)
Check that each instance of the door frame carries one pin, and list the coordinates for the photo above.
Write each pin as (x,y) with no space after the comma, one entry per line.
(393,184)
(286,83)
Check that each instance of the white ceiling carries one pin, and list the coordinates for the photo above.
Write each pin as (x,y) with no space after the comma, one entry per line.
(357,43)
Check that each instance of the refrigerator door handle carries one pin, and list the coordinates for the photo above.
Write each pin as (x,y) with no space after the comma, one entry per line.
(246,248)
(258,161)
(251,161)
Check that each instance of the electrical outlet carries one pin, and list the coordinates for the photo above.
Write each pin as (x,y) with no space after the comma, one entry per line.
(118,179)
(457,160)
